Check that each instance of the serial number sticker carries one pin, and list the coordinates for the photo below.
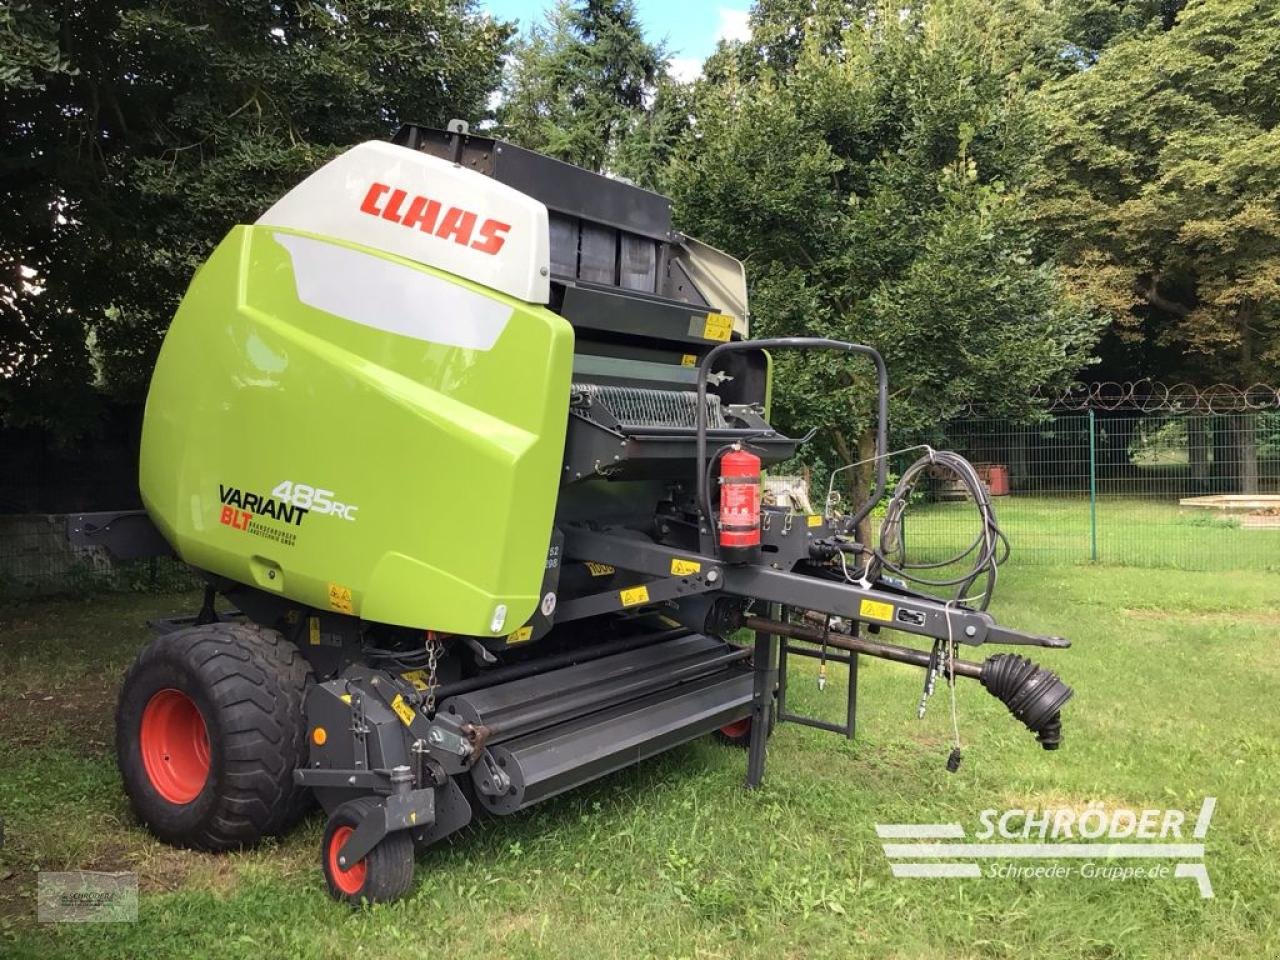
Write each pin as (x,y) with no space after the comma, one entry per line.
(682,568)
(313,631)
(875,610)
(599,569)
(417,677)
(815,520)
(340,598)
(521,634)
(633,596)
(689,360)
(403,710)
(717,326)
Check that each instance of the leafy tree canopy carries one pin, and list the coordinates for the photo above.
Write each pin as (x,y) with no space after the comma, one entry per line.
(586,87)
(871,169)
(1162,185)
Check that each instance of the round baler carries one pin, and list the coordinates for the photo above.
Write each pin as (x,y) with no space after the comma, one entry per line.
(467,445)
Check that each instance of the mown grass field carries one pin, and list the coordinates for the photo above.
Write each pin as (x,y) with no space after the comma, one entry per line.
(1176,675)
(1131,531)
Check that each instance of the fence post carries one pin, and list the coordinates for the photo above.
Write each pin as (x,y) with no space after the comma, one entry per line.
(1093,487)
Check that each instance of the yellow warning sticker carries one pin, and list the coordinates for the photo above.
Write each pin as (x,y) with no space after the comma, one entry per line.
(689,360)
(521,635)
(346,698)
(875,610)
(340,598)
(682,568)
(313,631)
(599,569)
(718,326)
(402,709)
(417,677)
(633,596)
(815,520)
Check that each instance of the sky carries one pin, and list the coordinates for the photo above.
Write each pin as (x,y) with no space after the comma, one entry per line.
(689,27)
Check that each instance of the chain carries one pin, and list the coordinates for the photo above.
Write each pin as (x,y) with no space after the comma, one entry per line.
(434,649)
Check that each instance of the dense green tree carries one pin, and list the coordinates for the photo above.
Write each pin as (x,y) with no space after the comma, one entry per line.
(586,87)
(874,182)
(28,46)
(1163,185)
(128,150)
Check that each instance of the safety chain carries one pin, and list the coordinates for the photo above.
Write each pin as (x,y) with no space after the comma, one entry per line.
(434,648)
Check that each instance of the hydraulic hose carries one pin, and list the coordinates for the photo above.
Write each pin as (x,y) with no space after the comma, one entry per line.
(988,549)
(1033,694)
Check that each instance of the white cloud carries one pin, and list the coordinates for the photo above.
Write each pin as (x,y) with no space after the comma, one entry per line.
(735,25)
(685,69)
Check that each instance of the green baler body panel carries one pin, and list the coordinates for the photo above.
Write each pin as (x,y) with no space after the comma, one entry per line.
(444,459)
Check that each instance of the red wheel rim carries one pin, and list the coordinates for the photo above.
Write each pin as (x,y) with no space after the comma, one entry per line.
(739,728)
(175,746)
(350,881)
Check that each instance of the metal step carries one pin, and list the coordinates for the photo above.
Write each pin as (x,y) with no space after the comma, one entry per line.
(557,730)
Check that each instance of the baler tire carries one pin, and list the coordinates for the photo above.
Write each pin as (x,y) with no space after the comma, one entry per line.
(237,691)
(385,873)
(738,733)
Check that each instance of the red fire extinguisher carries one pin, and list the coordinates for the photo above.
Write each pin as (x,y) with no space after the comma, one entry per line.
(740,506)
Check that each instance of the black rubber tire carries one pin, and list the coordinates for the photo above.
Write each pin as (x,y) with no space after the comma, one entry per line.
(388,866)
(249,685)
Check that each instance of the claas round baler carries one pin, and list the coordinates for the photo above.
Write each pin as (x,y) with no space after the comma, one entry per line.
(467,445)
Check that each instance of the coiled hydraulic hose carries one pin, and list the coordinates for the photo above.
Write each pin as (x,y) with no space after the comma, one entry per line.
(989,548)
(1033,694)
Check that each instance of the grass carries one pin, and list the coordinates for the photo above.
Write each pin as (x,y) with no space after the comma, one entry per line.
(1138,531)
(1175,676)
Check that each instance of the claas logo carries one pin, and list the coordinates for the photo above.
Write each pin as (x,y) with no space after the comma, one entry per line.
(431,216)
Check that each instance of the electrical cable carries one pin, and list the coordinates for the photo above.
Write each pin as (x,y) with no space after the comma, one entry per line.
(953,761)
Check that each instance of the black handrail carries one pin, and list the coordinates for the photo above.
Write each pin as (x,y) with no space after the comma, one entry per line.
(796,343)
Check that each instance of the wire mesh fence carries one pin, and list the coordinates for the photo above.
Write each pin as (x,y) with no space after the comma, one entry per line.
(1192,491)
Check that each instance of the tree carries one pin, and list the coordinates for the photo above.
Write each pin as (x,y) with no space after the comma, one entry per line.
(586,87)
(874,180)
(28,47)
(169,124)
(1162,186)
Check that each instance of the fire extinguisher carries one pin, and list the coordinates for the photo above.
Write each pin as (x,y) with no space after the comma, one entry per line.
(740,506)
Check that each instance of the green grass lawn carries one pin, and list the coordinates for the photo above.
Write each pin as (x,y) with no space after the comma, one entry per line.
(1175,676)
(1056,529)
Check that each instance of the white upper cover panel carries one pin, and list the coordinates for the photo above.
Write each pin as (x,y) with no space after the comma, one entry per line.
(428,210)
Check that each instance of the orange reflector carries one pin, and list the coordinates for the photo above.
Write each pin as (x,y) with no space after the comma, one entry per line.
(319,736)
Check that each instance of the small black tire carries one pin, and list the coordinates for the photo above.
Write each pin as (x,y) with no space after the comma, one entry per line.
(738,733)
(385,873)
(210,726)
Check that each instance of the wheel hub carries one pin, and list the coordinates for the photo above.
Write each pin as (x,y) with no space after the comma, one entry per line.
(349,881)
(175,746)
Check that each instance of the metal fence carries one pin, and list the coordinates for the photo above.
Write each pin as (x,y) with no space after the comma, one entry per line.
(37,558)
(1164,479)
(1191,491)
